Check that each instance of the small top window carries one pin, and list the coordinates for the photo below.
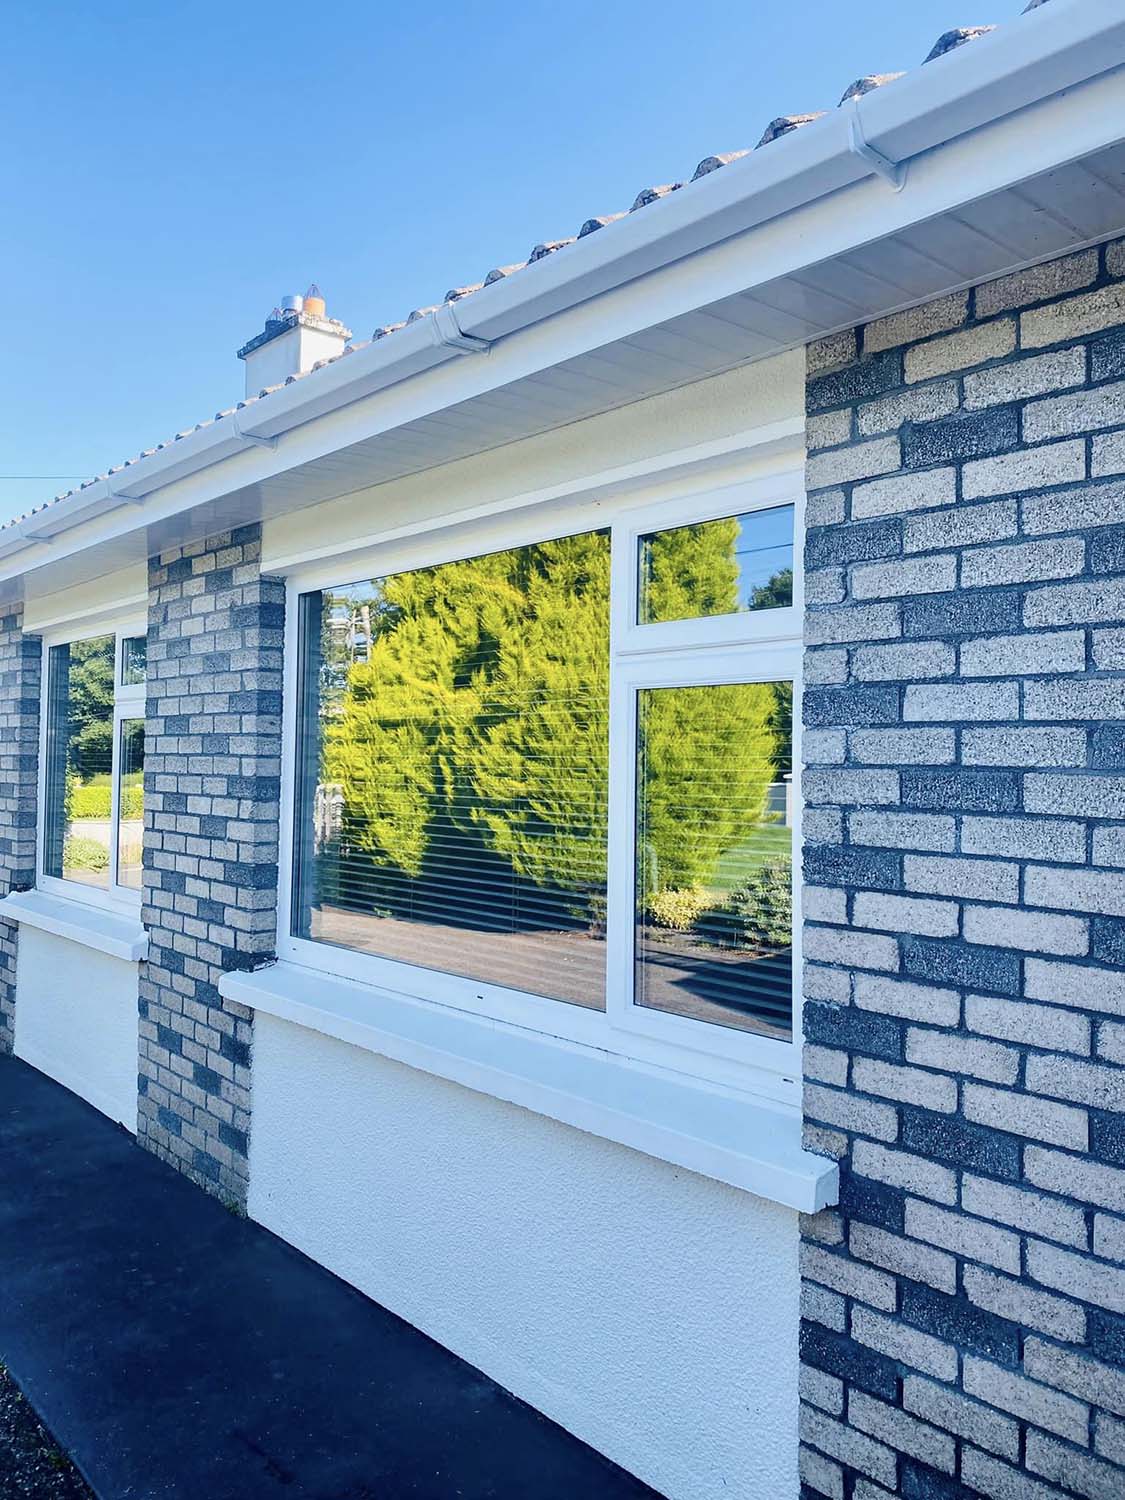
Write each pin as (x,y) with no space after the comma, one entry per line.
(134,658)
(732,565)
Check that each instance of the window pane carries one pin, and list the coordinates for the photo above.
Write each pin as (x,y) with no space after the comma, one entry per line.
(715,854)
(724,567)
(454,768)
(131,803)
(79,761)
(134,656)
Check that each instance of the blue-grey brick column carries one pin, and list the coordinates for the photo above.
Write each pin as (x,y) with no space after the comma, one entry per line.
(964,1309)
(213,732)
(20,669)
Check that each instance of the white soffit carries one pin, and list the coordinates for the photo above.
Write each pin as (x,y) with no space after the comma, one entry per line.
(1028,187)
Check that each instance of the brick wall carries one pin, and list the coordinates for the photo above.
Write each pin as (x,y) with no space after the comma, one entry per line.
(964,1309)
(20,669)
(211,836)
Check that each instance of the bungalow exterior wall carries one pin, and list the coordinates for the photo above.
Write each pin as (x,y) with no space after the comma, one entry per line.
(964,1319)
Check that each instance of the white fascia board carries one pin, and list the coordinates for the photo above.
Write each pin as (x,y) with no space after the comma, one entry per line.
(733,1138)
(793,204)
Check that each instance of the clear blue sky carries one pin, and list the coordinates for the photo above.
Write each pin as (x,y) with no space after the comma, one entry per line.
(171,171)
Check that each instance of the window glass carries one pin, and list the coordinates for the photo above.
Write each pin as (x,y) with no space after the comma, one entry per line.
(134,658)
(131,802)
(714,846)
(453,775)
(77,838)
(730,566)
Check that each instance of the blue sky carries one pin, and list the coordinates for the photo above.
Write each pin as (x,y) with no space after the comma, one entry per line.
(172,171)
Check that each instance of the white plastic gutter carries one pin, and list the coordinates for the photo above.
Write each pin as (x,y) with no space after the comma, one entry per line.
(1049,50)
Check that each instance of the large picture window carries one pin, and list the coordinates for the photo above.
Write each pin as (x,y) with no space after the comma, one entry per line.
(562,771)
(94,754)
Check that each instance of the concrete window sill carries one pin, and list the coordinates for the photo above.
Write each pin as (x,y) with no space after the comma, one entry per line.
(119,935)
(733,1138)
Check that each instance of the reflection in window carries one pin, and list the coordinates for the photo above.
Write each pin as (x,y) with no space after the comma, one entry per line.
(77,838)
(131,803)
(134,658)
(453,768)
(725,567)
(715,854)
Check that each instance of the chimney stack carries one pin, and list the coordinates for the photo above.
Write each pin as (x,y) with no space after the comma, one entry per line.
(296,335)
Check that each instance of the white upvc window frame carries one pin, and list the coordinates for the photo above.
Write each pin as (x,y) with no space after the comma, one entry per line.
(128,703)
(752,646)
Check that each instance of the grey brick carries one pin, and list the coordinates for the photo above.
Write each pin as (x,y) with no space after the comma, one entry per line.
(961,527)
(822,1390)
(1024,378)
(909,1346)
(997,1481)
(870,788)
(1084,796)
(961,701)
(906,491)
(1025,838)
(848,1445)
(825,508)
(1109,1237)
(967,1419)
(1025,1399)
(1077,1471)
(873,622)
(1074,510)
(959,1054)
(890,580)
(825,586)
(1072,1078)
(1024,747)
(908,1085)
(921,403)
(970,879)
(1073,318)
(1052,279)
(831,352)
(915,323)
(1023,1209)
(971,1238)
(1109,650)
(829,429)
(913,1002)
(1031,931)
(903,1257)
(1108,454)
(825,1065)
(892,913)
(1018,655)
(905,1433)
(1081,412)
(1068,984)
(1109,1438)
(860,950)
(1085,1378)
(825,747)
(928,831)
(859,461)
(843,1275)
(1026,1115)
(1111,1041)
(903,1169)
(1084,1180)
(1016,1021)
(1022,1304)
(908,660)
(843,1109)
(959,351)
(824,904)
(1025,469)
(819,1305)
(1025,562)
(826,667)
(820,1474)
(1083,700)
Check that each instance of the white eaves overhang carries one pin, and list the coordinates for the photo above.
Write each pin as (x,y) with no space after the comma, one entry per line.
(998,155)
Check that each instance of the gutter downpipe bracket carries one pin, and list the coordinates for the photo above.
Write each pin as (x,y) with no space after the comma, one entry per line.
(893,172)
(250,437)
(448,332)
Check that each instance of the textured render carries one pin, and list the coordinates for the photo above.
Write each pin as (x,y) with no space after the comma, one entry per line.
(964,1318)
(211,835)
(20,668)
(650,1311)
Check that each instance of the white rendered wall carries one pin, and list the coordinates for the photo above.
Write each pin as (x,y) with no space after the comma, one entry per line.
(651,1311)
(76,1020)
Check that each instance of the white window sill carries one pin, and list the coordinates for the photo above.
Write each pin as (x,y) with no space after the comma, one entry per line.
(110,932)
(735,1139)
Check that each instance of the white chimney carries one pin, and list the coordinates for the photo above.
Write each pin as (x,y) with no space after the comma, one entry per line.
(296,335)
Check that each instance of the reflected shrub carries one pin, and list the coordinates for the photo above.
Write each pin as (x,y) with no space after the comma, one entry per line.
(760,910)
(678,910)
